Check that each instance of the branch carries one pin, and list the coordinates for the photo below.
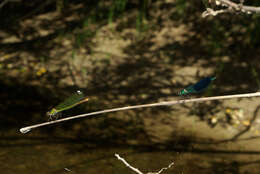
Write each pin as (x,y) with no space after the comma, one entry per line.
(231,7)
(6,1)
(239,6)
(165,103)
(128,165)
(137,170)
(212,12)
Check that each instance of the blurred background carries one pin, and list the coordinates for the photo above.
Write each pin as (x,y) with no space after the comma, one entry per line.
(122,53)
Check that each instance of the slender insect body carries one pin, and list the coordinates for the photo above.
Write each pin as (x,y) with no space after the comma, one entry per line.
(198,87)
(69,103)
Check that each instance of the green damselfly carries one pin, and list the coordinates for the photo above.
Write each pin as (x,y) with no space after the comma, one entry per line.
(69,103)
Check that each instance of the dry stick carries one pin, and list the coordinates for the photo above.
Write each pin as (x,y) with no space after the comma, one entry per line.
(138,171)
(238,6)
(165,103)
(128,165)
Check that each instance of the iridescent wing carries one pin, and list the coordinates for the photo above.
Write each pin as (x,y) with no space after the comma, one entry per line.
(203,84)
(197,87)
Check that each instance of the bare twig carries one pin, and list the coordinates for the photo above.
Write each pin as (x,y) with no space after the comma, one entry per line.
(128,165)
(6,1)
(230,7)
(137,170)
(162,169)
(212,12)
(68,170)
(239,6)
(165,103)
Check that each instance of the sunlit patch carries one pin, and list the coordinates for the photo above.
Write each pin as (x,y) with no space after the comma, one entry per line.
(246,123)
(41,71)
(228,111)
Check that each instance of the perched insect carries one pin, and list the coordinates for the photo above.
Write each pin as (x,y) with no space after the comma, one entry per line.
(198,87)
(69,103)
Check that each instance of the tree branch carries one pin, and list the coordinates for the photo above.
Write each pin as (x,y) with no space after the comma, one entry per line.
(230,7)
(165,103)
(239,6)
(137,170)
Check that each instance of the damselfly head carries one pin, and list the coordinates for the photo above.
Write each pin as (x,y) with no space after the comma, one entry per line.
(52,112)
(183,92)
(180,93)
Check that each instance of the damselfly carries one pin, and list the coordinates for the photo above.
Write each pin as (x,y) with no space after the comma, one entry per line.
(197,87)
(69,103)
